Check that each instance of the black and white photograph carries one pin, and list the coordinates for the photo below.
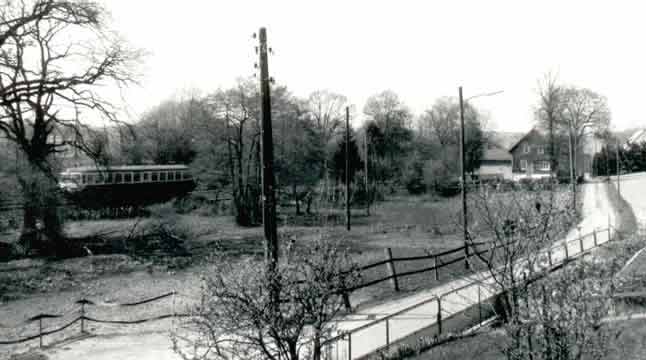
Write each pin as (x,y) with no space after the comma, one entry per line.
(322,180)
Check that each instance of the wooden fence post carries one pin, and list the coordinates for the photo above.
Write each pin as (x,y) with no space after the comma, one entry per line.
(439,316)
(82,318)
(346,300)
(549,257)
(479,306)
(387,334)
(391,269)
(40,332)
(437,270)
(594,237)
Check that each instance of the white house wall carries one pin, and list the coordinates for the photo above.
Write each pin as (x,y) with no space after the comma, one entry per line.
(505,170)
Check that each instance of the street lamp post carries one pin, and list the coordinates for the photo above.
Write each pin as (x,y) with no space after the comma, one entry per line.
(463,188)
(571,147)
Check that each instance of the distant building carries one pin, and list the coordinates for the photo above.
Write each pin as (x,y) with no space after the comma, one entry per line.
(638,137)
(531,156)
(496,163)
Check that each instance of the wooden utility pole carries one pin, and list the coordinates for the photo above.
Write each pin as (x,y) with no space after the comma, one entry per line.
(268,196)
(365,166)
(572,168)
(463,191)
(347,168)
(618,165)
(552,150)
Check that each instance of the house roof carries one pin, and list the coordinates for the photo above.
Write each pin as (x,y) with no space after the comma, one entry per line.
(638,137)
(496,153)
(127,168)
(532,131)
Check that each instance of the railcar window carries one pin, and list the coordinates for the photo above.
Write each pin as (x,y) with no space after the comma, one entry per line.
(154,176)
(109,178)
(136,177)
(178,175)
(145,177)
(118,178)
(162,176)
(171,176)
(84,179)
(127,177)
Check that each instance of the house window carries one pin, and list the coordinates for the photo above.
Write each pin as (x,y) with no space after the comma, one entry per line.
(110,179)
(162,176)
(154,176)
(171,176)
(146,176)
(540,150)
(118,178)
(127,177)
(526,149)
(136,177)
(523,164)
(542,165)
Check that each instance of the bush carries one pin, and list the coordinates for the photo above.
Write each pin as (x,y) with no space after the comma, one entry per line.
(415,185)
(447,188)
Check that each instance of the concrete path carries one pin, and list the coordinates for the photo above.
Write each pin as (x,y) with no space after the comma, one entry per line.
(633,190)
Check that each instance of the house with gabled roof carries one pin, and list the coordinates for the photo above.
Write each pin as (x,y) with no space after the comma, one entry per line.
(531,156)
(496,163)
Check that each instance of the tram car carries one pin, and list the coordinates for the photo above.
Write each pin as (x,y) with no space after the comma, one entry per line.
(97,187)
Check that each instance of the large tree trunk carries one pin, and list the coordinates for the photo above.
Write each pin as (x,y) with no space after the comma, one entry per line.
(42,225)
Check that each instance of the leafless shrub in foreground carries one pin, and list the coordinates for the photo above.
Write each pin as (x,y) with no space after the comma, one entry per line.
(236,318)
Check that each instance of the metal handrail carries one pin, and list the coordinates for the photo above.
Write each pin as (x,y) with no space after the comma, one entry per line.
(343,334)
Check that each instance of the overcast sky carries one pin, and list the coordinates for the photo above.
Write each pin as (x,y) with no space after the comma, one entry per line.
(422,50)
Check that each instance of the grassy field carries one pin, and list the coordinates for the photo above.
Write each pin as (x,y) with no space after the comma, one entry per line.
(629,343)
(409,225)
(406,224)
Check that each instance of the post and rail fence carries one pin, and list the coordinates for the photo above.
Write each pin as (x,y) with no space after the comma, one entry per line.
(429,317)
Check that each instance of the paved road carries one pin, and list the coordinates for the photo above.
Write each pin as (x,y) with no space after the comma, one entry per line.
(633,189)
(597,212)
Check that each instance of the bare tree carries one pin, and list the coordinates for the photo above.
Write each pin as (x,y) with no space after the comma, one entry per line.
(237,109)
(54,56)
(234,319)
(326,110)
(550,111)
(583,108)
(516,226)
